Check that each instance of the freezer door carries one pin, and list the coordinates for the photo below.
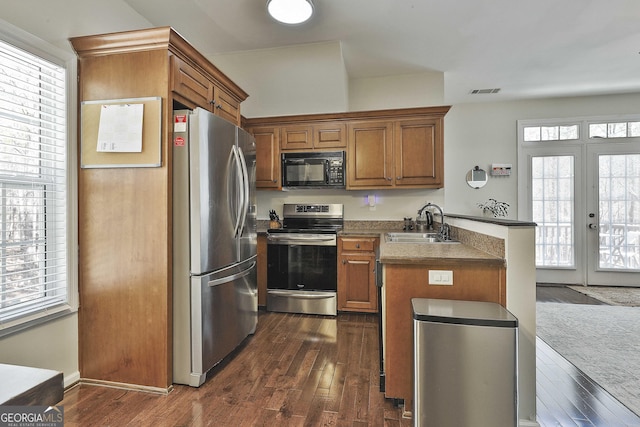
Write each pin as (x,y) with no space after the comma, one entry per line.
(224,312)
(215,195)
(247,232)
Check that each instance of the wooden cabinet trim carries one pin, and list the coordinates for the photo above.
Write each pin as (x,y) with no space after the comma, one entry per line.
(161,38)
(395,114)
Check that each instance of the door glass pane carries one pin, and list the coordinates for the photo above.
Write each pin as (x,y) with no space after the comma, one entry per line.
(552,186)
(619,211)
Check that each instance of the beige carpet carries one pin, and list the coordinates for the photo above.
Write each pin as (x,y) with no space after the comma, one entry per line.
(603,341)
(628,297)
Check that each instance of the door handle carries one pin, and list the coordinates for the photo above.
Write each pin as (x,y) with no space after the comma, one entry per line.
(593,226)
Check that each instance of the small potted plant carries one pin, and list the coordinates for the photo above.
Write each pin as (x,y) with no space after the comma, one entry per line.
(495,208)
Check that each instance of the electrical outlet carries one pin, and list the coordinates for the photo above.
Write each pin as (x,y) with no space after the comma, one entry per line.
(440,277)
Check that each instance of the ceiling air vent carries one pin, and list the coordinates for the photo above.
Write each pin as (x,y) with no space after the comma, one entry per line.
(483,91)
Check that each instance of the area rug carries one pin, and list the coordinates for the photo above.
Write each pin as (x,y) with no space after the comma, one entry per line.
(629,297)
(602,341)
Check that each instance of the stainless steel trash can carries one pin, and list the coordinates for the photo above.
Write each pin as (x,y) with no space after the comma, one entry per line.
(465,364)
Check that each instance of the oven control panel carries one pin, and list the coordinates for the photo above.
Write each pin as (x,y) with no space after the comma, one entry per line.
(312,208)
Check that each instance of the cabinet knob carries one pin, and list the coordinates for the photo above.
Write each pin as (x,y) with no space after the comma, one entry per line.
(398,177)
(389,178)
(219,107)
(212,102)
(275,180)
(357,245)
(344,261)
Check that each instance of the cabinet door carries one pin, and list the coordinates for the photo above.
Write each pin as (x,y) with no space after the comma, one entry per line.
(418,153)
(296,137)
(370,155)
(330,135)
(267,157)
(356,274)
(225,105)
(357,289)
(190,86)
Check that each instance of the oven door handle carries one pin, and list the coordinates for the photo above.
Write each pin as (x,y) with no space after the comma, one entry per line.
(302,294)
(298,241)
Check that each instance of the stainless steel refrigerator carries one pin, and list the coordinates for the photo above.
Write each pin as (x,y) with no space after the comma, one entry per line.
(215,302)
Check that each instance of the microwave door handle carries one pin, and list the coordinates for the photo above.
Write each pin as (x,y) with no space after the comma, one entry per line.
(327,164)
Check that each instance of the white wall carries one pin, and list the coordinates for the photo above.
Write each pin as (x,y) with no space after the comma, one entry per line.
(290,80)
(390,205)
(53,345)
(410,90)
(485,133)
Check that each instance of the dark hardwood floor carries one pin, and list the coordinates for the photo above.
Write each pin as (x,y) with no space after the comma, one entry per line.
(302,370)
(563,294)
(296,370)
(565,395)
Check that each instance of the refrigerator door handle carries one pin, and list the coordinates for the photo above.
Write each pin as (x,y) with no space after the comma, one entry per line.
(239,217)
(227,279)
(245,185)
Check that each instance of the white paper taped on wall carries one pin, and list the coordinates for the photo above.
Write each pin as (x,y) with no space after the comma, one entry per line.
(120,128)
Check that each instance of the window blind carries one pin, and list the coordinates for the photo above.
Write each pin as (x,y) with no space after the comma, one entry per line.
(33,186)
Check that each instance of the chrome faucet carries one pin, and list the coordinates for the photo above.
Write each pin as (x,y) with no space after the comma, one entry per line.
(444,227)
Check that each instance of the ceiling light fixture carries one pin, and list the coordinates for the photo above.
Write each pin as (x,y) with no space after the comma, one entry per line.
(290,11)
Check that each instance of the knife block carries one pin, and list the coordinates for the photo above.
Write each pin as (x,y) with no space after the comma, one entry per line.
(274,224)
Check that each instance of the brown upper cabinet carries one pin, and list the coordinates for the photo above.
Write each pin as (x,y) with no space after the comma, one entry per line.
(305,137)
(370,154)
(193,88)
(401,148)
(267,156)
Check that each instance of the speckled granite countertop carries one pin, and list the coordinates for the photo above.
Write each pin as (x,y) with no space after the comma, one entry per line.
(412,253)
(440,253)
(416,253)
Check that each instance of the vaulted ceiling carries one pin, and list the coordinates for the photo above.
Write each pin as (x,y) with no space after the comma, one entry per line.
(527,49)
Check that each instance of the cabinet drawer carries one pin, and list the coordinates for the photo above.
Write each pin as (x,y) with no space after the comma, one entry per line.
(359,244)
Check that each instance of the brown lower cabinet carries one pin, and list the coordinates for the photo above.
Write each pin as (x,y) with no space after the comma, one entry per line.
(472,281)
(356,274)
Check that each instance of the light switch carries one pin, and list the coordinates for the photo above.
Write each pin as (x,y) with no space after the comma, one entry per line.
(440,277)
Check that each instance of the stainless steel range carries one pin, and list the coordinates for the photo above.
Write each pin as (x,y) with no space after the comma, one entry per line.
(302,259)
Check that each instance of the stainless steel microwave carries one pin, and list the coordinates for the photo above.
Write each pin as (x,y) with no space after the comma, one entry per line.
(313,170)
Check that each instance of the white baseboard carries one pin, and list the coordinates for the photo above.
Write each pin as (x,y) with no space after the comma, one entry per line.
(71,379)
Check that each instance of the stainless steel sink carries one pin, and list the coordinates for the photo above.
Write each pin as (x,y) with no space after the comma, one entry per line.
(415,238)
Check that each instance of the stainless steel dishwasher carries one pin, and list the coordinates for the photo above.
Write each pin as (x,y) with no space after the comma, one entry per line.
(465,364)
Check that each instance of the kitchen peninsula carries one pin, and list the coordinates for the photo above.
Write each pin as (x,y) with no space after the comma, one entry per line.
(494,262)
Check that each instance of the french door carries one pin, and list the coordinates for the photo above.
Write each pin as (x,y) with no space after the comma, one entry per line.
(613,217)
(585,199)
